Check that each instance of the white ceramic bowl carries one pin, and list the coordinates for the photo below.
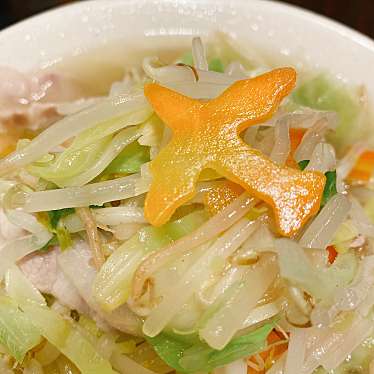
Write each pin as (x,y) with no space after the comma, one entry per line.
(293,34)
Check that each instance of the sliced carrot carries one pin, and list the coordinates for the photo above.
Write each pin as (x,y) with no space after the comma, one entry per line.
(296,135)
(332,253)
(207,135)
(363,169)
(272,354)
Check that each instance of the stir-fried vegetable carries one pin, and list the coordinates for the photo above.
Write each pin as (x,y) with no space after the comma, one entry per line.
(330,186)
(320,283)
(182,160)
(221,195)
(66,337)
(190,355)
(113,284)
(324,94)
(54,224)
(17,332)
(129,160)
(363,169)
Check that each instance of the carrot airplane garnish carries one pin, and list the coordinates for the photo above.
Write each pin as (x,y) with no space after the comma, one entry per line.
(220,196)
(206,135)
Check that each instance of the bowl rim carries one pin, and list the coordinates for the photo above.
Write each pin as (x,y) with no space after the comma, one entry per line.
(295,10)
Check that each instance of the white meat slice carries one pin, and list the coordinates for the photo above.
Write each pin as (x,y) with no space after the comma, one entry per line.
(79,260)
(69,276)
(30,101)
(42,270)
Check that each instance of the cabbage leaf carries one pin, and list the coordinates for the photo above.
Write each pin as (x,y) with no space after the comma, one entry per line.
(129,160)
(187,354)
(67,339)
(17,333)
(113,282)
(322,93)
(91,151)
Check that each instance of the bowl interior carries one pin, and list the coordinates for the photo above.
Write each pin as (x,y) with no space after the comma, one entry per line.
(288,34)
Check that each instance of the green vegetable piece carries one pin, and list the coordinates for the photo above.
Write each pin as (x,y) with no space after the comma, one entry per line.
(129,160)
(303,164)
(17,334)
(187,59)
(63,236)
(51,243)
(170,348)
(60,235)
(65,336)
(190,355)
(330,187)
(323,93)
(216,64)
(113,283)
(56,215)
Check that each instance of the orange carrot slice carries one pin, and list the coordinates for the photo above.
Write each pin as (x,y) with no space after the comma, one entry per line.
(363,169)
(332,253)
(296,135)
(272,354)
(206,135)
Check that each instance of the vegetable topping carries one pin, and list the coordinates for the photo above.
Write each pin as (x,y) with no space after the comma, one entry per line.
(206,135)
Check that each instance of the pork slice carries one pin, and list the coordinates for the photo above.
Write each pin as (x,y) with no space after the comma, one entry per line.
(40,269)
(79,260)
(43,272)
(29,102)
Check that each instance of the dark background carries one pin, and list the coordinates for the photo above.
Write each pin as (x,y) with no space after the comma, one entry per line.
(358,14)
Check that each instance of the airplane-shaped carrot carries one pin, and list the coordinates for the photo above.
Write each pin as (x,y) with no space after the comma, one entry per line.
(206,135)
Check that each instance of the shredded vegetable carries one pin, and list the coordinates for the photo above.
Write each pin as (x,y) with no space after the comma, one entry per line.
(189,355)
